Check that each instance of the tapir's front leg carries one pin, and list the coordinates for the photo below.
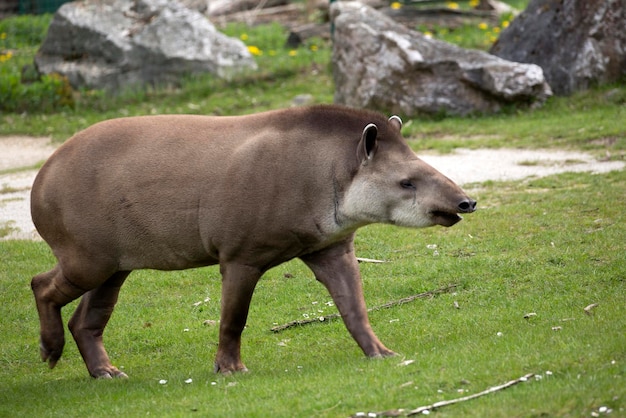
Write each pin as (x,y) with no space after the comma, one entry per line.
(238,283)
(337,268)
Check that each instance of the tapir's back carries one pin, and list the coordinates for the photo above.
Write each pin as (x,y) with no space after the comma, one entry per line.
(174,192)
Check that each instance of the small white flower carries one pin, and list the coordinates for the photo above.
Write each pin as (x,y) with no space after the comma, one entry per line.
(426,411)
(186,330)
(499,334)
(162,382)
(213,383)
(432,246)
(189,380)
(548,373)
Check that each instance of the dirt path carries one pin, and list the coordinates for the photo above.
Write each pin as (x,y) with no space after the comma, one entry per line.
(464,166)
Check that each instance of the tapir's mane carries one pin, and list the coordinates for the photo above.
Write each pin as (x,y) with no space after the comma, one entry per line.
(331,119)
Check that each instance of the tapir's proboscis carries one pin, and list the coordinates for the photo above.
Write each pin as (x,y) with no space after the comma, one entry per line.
(172,192)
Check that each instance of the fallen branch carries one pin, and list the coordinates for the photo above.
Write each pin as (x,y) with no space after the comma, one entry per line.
(436,405)
(431,293)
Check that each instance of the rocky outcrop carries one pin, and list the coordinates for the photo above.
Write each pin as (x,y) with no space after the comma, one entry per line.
(380,64)
(113,44)
(577,43)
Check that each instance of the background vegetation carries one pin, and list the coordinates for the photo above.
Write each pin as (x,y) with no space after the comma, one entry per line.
(548,246)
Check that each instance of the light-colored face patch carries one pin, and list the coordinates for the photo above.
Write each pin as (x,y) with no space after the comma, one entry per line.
(381,195)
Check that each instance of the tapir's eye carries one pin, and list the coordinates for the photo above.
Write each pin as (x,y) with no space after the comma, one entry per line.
(408,184)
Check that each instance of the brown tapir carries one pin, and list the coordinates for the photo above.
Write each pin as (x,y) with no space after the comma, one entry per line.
(245,192)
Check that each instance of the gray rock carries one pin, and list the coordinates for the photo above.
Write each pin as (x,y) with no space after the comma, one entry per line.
(380,64)
(113,44)
(578,43)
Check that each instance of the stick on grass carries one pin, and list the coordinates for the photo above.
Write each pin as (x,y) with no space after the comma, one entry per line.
(436,405)
(431,293)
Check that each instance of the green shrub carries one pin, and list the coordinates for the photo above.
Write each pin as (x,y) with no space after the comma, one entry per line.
(21,89)
(50,93)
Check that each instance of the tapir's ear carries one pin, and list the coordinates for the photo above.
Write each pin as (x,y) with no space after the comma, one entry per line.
(368,143)
(396,122)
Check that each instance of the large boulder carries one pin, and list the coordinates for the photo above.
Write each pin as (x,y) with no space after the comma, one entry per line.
(380,64)
(112,44)
(578,43)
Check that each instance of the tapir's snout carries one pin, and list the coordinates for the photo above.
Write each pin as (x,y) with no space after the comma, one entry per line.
(467,206)
(448,218)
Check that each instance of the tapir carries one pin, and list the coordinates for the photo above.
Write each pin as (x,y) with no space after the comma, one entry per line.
(172,192)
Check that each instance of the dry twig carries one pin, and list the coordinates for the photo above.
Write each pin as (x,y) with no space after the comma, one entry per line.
(421,409)
(431,293)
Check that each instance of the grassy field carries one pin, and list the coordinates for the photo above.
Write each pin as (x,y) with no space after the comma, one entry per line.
(548,247)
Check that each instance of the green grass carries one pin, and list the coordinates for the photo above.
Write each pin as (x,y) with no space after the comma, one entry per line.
(550,246)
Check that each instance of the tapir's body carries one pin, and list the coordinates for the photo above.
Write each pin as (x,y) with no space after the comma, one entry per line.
(249,192)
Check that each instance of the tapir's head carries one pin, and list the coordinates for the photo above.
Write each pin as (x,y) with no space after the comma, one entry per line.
(392,185)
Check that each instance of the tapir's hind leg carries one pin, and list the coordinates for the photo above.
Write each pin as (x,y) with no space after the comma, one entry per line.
(88,323)
(52,291)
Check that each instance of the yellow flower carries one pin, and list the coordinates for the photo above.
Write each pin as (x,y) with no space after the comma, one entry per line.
(505,24)
(496,29)
(5,57)
(483,26)
(428,34)
(474,3)
(452,5)
(396,5)
(3,35)
(313,48)
(243,37)
(254,50)
(293,53)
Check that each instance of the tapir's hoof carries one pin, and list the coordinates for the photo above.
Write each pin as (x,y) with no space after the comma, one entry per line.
(51,356)
(110,373)
(383,354)
(228,370)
